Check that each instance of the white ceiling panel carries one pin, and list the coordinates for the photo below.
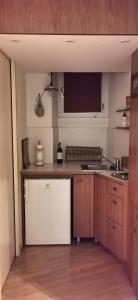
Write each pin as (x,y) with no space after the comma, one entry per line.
(66,53)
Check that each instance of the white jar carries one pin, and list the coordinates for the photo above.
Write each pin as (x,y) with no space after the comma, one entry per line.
(39,154)
(124,120)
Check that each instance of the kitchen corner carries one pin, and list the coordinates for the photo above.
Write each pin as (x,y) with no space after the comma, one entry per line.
(95,194)
(66,169)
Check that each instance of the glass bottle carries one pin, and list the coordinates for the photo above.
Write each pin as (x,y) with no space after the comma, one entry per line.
(59,154)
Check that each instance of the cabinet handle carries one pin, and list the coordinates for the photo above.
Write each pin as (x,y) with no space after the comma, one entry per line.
(114,188)
(113,227)
(114,202)
(79,180)
(135,230)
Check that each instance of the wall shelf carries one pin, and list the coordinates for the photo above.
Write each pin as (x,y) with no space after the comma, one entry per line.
(122,110)
(121,127)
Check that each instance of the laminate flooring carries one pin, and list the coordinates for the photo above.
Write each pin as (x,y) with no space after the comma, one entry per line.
(84,271)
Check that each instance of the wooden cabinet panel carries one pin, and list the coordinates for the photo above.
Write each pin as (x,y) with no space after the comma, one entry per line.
(115,239)
(134,214)
(110,215)
(116,224)
(100,209)
(133,152)
(132,255)
(117,189)
(69,17)
(83,206)
(117,209)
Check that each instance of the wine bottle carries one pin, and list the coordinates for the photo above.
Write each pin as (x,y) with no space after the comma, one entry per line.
(59,154)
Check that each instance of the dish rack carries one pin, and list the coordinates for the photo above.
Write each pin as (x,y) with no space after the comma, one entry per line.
(76,153)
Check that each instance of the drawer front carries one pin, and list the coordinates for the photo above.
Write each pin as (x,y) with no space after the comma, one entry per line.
(116,239)
(116,189)
(116,209)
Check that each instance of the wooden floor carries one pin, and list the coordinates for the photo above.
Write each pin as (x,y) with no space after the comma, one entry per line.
(77,272)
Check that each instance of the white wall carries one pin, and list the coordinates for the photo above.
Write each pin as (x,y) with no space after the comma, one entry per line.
(40,128)
(45,135)
(55,118)
(7,241)
(83,137)
(118,140)
(35,83)
(84,129)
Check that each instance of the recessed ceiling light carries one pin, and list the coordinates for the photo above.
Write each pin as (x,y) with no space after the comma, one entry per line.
(70,41)
(15,41)
(125,42)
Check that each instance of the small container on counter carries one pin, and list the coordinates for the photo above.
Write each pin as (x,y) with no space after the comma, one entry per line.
(124,119)
(39,150)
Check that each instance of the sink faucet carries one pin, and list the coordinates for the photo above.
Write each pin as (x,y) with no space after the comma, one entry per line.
(116,164)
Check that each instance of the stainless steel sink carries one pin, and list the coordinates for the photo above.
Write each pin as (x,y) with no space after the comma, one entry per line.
(120,175)
(95,167)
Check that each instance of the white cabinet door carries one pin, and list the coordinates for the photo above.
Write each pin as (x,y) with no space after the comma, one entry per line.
(47,211)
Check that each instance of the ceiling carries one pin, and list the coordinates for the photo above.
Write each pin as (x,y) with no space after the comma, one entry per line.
(70,53)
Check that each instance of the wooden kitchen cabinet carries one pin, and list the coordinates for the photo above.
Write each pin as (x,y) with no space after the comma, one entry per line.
(132,255)
(133,152)
(110,215)
(115,240)
(100,209)
(116,189)
(116,219)
(117,209)
(83,198)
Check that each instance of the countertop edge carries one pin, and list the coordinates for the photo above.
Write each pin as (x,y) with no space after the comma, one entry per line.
(65,170)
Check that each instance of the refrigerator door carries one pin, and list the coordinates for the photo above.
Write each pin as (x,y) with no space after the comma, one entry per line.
(47,211)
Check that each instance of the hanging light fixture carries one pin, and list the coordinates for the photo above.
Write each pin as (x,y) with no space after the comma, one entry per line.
(39,108)
(50,87)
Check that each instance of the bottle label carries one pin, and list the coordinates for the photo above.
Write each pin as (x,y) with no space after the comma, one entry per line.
(59,155)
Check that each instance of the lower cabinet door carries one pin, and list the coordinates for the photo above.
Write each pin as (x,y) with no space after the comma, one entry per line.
(115,239)
(83,205)
(117,209)
(100,209)
(132,257)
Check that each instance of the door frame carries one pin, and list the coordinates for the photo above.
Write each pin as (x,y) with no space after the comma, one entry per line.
(15,160)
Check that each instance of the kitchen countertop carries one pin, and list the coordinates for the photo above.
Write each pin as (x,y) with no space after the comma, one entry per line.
(66,170)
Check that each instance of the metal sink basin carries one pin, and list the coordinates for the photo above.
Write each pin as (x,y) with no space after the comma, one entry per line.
(120,175)
(94,167)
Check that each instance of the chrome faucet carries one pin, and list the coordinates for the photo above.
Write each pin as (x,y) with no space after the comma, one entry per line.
(116,164)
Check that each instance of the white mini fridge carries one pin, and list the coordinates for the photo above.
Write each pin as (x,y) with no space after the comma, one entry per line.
(47,211)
